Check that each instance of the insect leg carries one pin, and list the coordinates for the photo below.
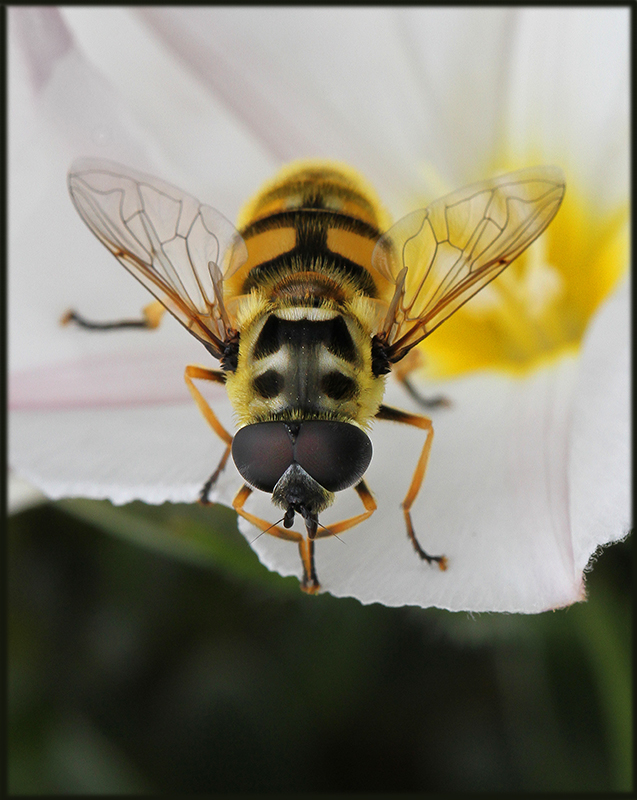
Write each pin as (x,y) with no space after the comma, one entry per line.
(418,421)
(369,503)
(152,316)
(402,371)
(310,582)
(204,494)
(439,401)
(217,376)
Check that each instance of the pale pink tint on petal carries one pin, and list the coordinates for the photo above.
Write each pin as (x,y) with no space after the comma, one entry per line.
(78,112)
(134,378)
(55,262)
(44,38)
(209,150)
(234,76)
(154,453)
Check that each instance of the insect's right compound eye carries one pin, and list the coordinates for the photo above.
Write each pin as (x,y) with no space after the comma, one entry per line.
(262,453)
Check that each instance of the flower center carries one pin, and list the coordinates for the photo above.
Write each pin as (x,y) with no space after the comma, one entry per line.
(538,309)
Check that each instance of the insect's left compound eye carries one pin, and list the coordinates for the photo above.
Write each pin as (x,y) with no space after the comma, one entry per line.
(335,454)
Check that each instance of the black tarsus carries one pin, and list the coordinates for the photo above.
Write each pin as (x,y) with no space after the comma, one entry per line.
(73,316)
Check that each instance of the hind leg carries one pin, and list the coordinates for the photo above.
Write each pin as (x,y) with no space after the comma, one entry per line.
(151,317)
(418,421)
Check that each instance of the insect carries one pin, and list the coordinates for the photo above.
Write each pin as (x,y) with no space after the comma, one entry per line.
(307,307)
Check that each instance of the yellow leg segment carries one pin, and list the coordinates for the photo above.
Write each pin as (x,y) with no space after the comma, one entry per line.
(338,527)
(217,376)
(310,582)
(424,423)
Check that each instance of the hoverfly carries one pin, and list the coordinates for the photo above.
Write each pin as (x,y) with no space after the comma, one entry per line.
(307,307)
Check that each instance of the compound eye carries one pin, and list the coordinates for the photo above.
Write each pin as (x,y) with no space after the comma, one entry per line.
(335,454)
(262,453)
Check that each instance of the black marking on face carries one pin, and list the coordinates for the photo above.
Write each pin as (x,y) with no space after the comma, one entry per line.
(269,384)
(307,373)
(333,333)
(340,342)
(338,386)
(269,339)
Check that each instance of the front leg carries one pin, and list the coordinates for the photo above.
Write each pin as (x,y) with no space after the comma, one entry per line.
(310,582)
(362,490)
(217,376)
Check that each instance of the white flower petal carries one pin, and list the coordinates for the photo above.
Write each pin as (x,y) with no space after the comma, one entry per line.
(125,378)
(568,95)
(211,152)
(52,254)
(600,473)
(388,89)
(460,58)
(155,453)
(56,262)
(318,82)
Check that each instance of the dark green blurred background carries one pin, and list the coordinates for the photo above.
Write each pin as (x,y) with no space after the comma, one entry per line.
(151,653)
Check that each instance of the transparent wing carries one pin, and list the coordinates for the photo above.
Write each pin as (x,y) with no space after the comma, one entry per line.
(440,256)
(180,250)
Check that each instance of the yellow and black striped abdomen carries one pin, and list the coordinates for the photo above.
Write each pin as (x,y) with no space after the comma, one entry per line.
(317,184)
(314,224)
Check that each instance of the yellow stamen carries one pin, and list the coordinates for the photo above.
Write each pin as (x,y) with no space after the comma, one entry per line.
(540,307)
